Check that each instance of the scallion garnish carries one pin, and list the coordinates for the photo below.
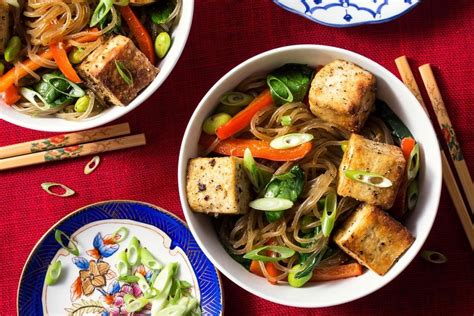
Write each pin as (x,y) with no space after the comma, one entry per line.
(128,279)
(291,140)
(67,191)
(280,251)
(329,215)
(370,178)
(122,264)
(122,232)
(76,91)
(311,262)
(53,273)
(434,256)
(344,145)
(270,204)
(92,165)
(136,304)
(413,162)
(234,98)
(149,260)
(32,96)
(258,177)
(71,246)
(142,282)
(133,252)
(101,11)
(286,120)
(124,72)
(412,195)
(298,282)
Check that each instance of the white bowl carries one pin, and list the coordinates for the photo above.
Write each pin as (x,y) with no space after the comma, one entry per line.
(179,37)
(419,221)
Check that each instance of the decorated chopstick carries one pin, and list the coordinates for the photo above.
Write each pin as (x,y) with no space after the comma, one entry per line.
(448,132)
(64,140)
(73,151)
(449,180)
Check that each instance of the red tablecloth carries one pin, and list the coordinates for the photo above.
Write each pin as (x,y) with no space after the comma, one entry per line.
(225,33)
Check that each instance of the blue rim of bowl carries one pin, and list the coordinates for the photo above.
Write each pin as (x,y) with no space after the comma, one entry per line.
(311,18)
(34,271)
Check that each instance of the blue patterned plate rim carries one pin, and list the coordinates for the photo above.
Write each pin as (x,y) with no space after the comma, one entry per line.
(213,291)
(339,25)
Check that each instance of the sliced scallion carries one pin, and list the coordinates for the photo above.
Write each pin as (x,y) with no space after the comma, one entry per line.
(136,305)
(71,246)
(128,279)
(370,178)
(127,298)
(412,195)
(298,282)
(280,251)
(344,145)
(234,98)
(271,204)
(92,165)
(32,96)
(413,163)
(173,310)
(121,3)
(48,185)
(124,72)
(286,120)
(329,215)
(310,263)
(258,177)
(149,260)
(434,256)
(142,282)
(53,273)
(291,140)
(279,90)
(101,11)
(76,91)
(122,264)
(122,232)
(133,252)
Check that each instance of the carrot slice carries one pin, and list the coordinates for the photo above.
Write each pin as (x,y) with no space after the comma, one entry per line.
(140,33)
(60,57)
(11,95)
(407,144)
(269,266)
(336,272)
(243,118)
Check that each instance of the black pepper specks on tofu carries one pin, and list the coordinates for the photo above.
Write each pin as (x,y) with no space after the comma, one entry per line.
(367,155)
(217,185)
(373,238)
(343,93)
(99,70)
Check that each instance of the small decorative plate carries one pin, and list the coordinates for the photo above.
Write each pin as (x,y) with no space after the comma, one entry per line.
(89,282)
(344,13)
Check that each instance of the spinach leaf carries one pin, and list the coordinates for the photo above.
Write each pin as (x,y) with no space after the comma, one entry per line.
(285,186)
(399,130)
(161,12)
(289,83)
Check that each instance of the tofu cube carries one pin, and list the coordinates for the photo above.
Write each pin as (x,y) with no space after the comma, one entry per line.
(373,238)
(218,185)
(343,93)
(380,158)
(4,25)
(100,71)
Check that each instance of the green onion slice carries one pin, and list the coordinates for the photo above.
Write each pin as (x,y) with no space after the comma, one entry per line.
(413,163)
(124,72)
(258,177)
(142,282)
(370,178)
(344,145)
(32,96)
(434,256)
(271,204)
(298,282)
(329,214)
(173,310)
(76,91)
(291,140)
(121,3)
(122,232)
(92,165)
(127,298)
(128,279)
(133,252)
(286,120)
(122,264)
(279,89)
(412,195)
(282,253)
(13,3)
(53,273)
(185,284)
(312,261)
(151,292)
(101,11)
(136,305)
(149,260)
(234,98)
(67,191)
(71,247)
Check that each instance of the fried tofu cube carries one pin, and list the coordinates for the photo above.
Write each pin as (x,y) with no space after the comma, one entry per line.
(100,71)
(373,238)
(4,25)
(218,185)
(366,155)
(343,93)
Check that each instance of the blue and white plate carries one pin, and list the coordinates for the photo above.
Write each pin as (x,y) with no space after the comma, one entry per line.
(89,282)
(344,13)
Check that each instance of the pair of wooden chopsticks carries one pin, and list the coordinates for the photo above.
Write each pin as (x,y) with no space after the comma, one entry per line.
(71,145)
(450,138)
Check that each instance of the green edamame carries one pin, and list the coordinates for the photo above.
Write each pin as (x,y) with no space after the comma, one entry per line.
(295,282)
(213,122)
(12,49)
(76,55)
(162,44)
(81,104)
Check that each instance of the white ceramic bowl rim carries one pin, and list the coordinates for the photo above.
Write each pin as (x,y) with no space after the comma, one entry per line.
(426,208)
(52,124)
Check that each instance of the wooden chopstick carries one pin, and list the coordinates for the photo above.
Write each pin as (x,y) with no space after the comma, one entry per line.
(448,132)
(64,140)
(449,180)
(73,151)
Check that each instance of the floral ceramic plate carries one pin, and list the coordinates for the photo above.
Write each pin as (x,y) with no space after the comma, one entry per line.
(344,13)
(89,285)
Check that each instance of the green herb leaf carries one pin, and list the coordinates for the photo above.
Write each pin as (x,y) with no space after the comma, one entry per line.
(101,11)
(124,72)
(289,83)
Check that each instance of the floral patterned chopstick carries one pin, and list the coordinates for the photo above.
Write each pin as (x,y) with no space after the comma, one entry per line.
(64,140)
(73,151)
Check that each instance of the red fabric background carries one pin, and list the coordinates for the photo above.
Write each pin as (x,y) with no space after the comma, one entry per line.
(225,33)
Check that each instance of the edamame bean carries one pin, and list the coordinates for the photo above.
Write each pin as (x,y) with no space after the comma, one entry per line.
(12,49)
(2,68)
(81,104)
(162,44)
(76,55)
(294,282)
(213,122)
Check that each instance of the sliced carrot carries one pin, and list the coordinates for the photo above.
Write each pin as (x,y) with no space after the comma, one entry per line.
(336,272)
(272,271)
(243,118)
(60,57)
(407,144)
(139,32)
(11,95)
